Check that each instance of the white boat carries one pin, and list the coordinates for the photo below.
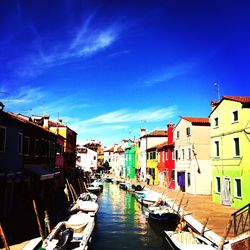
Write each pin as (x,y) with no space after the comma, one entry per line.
(162,213)
(123,185)
(87,196)
(182,240)
(74,233)
(86,202)
(97,183)
(90,207)
(94,190)
(147,198)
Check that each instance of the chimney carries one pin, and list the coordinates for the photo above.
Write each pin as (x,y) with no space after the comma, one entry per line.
(115,147)
(214,104)
(46,121)
(170,127)
(143,132)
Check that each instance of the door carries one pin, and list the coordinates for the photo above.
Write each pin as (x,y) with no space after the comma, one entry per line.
(226,192)
(181,180)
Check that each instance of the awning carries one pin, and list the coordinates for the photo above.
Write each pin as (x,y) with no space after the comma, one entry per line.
(41,172)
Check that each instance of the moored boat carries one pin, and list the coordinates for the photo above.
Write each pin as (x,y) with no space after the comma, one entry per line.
(184,240)
(161,211)
(74,233)
(87,196)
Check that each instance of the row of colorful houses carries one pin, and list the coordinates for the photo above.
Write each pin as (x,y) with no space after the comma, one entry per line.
(208,155)
(35,153)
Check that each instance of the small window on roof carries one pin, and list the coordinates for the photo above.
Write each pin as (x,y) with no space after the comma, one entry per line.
(216,122)
(235,115)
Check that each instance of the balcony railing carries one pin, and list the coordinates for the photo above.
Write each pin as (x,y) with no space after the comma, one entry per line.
(241,219)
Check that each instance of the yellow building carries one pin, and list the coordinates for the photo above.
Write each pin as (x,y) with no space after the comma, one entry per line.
(230,145)
(137,153)
(69,144)
(152,164)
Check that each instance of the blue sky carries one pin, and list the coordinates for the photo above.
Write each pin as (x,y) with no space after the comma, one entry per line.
(109,68)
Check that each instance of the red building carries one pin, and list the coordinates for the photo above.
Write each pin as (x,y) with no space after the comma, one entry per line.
(166,162)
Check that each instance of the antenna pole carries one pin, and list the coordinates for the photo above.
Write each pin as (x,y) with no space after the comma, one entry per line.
(218,90)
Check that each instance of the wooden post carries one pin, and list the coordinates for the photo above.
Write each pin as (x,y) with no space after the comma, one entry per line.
(80,186)
(66,191)
(71,192)
(4,238)
(86,187)
(38,221)
(175,198)
(204,226)
(47,222)
(180,203)
(225,234)
(193,235)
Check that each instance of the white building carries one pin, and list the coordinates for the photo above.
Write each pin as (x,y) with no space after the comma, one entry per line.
(193,170)
(86,159)
(118,160)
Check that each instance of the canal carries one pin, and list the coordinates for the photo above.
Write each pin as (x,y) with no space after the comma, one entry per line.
(122,223)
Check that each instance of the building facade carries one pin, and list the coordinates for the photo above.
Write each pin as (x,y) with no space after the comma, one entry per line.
(192,155)
(230,144)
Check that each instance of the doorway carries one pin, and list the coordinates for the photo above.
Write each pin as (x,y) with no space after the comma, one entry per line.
(226,192)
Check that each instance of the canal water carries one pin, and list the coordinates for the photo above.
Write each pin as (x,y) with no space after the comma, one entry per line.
(122,223)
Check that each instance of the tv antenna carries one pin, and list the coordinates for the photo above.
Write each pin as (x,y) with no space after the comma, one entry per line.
(217,86)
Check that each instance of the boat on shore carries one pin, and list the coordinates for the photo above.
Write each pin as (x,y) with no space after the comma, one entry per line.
(74,233)
(186,240)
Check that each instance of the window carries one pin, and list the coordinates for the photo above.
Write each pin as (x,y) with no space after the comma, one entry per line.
(189,153)
(20,143)
(183,154)
(152,155)
(189,179)
(44,148)
(178,134)
(217,149)
(237,188)
(2,139)
(235,116)
(188,131)
(236,145)
(166,155)
(52,148)
(26,145)
(36,147)
(217,184)
(216,122)
(176,155)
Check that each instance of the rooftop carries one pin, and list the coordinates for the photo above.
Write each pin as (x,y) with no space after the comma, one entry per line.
(197,120)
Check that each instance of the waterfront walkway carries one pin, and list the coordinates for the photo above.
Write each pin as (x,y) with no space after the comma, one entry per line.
(200,207)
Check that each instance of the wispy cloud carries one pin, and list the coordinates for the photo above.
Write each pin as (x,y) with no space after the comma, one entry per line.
(39,101)
(86,40)
(125,116)
(125,121)
(167,74)
(123,52)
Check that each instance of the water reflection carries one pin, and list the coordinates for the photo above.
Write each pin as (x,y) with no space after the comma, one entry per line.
(121,223)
